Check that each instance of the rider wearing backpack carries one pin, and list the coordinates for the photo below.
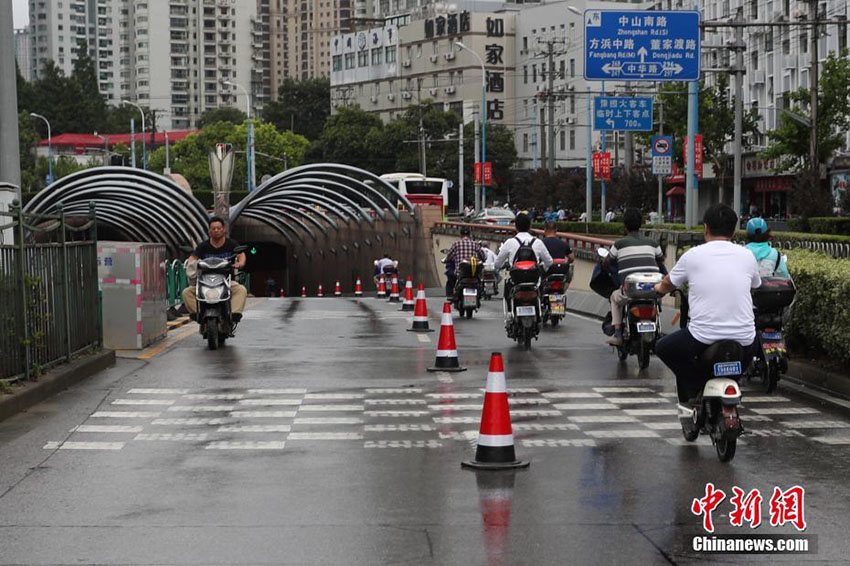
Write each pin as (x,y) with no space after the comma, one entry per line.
(522,247)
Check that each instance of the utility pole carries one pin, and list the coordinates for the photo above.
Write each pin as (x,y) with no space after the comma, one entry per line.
(10,164)
(550,98)
(477,152)
(660,180)
(813,91)
(423,163)
(739,112)
(460,203)
(588,194)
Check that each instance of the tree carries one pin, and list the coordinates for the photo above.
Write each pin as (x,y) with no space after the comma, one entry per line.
(90,111)
(303,106)
(223,114)
(346,139)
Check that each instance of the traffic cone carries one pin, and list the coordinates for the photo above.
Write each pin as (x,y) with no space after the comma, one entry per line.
(319,294)
(408,303)
(282,294)
(420,314)
(446,348)
(495,436)
(358,288)
(394,295)
(303,291)
(382,288)
(337,289)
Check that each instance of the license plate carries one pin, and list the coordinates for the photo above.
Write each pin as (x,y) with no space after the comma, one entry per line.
(525,311)
(643,327)
(723,369)
(557,304)
(470,293)
(771,336)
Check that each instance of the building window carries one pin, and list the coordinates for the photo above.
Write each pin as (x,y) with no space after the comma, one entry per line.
(377,56)
(525,74)
(563,137)
(562,73)
(534,73)
(525,43)
(391,54)
(337,62)
(363,58)
(572,139)
(349,60)
(525,143)
(572,104)
(572,68)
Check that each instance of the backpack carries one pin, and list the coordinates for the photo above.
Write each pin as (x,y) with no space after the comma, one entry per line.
(526,251)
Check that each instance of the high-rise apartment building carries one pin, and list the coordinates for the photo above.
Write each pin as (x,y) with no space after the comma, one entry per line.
(169,55)
(22,52)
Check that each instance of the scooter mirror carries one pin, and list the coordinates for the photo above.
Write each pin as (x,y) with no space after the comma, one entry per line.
(186,249)
(603,252)
(240,249)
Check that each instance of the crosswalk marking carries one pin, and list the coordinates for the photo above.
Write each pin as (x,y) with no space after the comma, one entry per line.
(142,391)
(628,433)
(572,395)
(201,408)
(269,402)
(175,436)
(343,396)
(786,411)
(636,400)
(454,395)
(262,414)
(391,390)
(540,426)
(163,402)
(673,425)
(398,428)
(395,401)
(836,440)
(330,408)
(325,436)
(214,396)
(245,445)
(396,413)
(558,442)
(291,391)
(402,444)
(765,399)
(107,428)
(585,406)
(603,419)
(125,414)
(254,428)
(84,445)
(327,421)
(650,412)
(622,390)
(816,424)
(190,422)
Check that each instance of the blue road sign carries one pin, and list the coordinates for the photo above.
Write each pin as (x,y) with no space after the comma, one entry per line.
(635,45)
(622,113)
(662,155)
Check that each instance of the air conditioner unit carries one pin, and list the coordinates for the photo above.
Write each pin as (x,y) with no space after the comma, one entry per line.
(434,58)
(449,90)
(406,95)
(571,120)
(560,88)
(374,99)
(391,97)
(433,91)
(405,63)
(571,87)
(450,56)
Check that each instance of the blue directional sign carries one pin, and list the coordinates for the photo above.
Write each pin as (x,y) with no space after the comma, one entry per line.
(622,113)
(636,45)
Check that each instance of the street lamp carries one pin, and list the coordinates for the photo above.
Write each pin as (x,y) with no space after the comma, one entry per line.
(463,47)
(105,147)
(574,10)
(49,147)
(249,153)
(144,148)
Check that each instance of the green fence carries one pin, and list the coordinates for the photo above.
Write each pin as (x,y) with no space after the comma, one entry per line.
(175,273)
(48,281)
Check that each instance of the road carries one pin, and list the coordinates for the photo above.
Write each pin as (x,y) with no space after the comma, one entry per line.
(317,437)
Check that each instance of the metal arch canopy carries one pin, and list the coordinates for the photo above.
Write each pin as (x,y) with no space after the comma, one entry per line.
(118,222)
(276,223)
(361,213)
(324,176)
(325,186)
(306,199)
(293,214)
(277,200)
(143,222)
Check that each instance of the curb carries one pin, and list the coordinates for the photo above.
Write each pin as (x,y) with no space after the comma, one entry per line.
(177,323)
(31,393)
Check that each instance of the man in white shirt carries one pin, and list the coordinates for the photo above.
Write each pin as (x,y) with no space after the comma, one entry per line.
(719,275)
(512,245)
(609,216)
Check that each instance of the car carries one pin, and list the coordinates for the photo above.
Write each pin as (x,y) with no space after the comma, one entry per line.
(493,217)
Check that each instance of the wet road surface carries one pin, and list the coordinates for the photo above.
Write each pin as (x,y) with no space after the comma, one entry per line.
(317,437)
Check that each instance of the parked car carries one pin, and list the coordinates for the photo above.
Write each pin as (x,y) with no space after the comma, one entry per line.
(494,217)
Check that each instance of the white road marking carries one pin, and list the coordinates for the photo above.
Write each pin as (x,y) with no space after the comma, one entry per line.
(455,407)
(325,436)
(327,421)
(124,414)
(558,443)
(537,426)
(637,400)
(603,419)
(835,440)
(774,432)
(664,425)
(454,395)
(245,445)
(106,428)
(84,445)
(177,436)
(402,444)
(398,428)
(334,396)
(159,391)
(456,420)
(292,391)
(816,424)
(585,406)
(460,435)
(512,390)
(572,395)
(215,396)
(669,394)
(757,418)
(330,408)
(390,390)
(164,402)
(262,414)
(269,402)
(786,411)
(650,412)
(190,422)
(396,413)
(535,413)
(622,390)
(201,408)
(444,377)
(424,338)
(527,401)
(395,401)
(627,433)
(765,399)
(254,428)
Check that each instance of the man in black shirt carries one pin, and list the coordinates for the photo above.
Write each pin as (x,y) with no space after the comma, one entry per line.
(218,246)
(558,248)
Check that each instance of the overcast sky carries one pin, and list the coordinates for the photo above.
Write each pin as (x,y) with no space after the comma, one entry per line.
(21,13)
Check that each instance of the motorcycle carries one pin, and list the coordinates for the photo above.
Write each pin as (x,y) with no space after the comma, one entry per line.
(553,300)
(212,290)
(641,323)
(715,410)
(522,323)
(769,303)
(490,283)
(468,288)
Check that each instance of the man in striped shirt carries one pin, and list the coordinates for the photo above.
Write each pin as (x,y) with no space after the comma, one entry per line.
(634,254)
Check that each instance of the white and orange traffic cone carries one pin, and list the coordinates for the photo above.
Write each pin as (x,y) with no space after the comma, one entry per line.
(495,436)
(394,294)
(358,288)
(319,293)
(408,303)
(382,288)
(337,289)
(446,347)
(282,294)
(420,313)
(303,291)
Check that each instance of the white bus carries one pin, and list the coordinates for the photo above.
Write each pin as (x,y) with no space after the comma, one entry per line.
(420,189)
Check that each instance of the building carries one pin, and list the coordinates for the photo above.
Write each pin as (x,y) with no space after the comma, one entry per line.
(22,52)
(169,55)
(93,149)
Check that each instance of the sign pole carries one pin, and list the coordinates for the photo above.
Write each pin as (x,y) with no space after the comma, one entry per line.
(660,179)
(603,209)
(588,203)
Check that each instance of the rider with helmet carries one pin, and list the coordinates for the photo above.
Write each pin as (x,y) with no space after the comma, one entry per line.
(771,263)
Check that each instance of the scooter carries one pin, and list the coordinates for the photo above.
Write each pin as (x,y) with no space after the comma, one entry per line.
(468,288)
(522,321)
(769,303)
(553,300)
(490,283)
(212,290)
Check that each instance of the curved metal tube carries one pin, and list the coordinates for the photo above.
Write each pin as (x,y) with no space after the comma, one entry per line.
(305,213)
(364,213)
(308,199)
(274,223)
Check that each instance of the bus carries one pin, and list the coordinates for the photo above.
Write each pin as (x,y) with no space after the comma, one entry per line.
(420,189)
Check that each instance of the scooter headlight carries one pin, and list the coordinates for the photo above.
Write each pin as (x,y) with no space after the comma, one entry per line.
(211,293)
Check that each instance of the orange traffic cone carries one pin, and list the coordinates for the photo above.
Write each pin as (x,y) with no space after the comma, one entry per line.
(495,436)
(319,294)
(382,288)
(420,314)
(358,288)
(394,295)
(408,303)
(282,294)
(446,348)
(337,289)
(303,291)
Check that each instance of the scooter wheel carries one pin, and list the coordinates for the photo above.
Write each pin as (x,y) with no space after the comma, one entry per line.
(725,446)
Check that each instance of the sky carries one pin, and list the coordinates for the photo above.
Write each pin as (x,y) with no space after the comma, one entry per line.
(20,11)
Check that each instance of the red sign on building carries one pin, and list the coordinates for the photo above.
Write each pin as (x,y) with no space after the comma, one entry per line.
(697,154)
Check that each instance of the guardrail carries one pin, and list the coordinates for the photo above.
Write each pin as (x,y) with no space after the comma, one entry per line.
(175,281)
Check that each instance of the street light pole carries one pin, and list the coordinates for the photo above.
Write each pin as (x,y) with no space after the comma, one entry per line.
(483,119)
(49,147)
(249,153)
(144,145)
(105,148)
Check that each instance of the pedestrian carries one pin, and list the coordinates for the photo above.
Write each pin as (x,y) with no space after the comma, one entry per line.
(609,216)
(271,286)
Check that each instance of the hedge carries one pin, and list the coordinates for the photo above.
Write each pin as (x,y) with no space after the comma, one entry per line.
(830,225)
(820,319)
(601,228)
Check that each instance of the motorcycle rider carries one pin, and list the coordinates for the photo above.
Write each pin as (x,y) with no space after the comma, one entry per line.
(511,245)
(558,248)
(218,246)
(462,250)
(719,275)
(770,261)
(634,254)
(379,266)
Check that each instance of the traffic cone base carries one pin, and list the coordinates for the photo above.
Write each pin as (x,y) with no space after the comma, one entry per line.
(446,348)
(337,290)
(420,313)
(394,294)
(382,289)
(358,288)
(409,303)
(495,449)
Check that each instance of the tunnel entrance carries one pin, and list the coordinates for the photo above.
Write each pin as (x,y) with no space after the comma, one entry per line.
(266,262)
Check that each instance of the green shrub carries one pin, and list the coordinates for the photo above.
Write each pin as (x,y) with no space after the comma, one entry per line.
(602,228)
(820,319)
(830,225)
(798,224)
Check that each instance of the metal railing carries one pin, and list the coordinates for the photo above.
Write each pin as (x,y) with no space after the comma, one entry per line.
(48,281)
(176,281)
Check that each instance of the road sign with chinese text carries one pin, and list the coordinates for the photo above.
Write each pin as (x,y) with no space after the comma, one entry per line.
(622,113)
(662,155)
(641,45)
(602,166)
(488,173)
